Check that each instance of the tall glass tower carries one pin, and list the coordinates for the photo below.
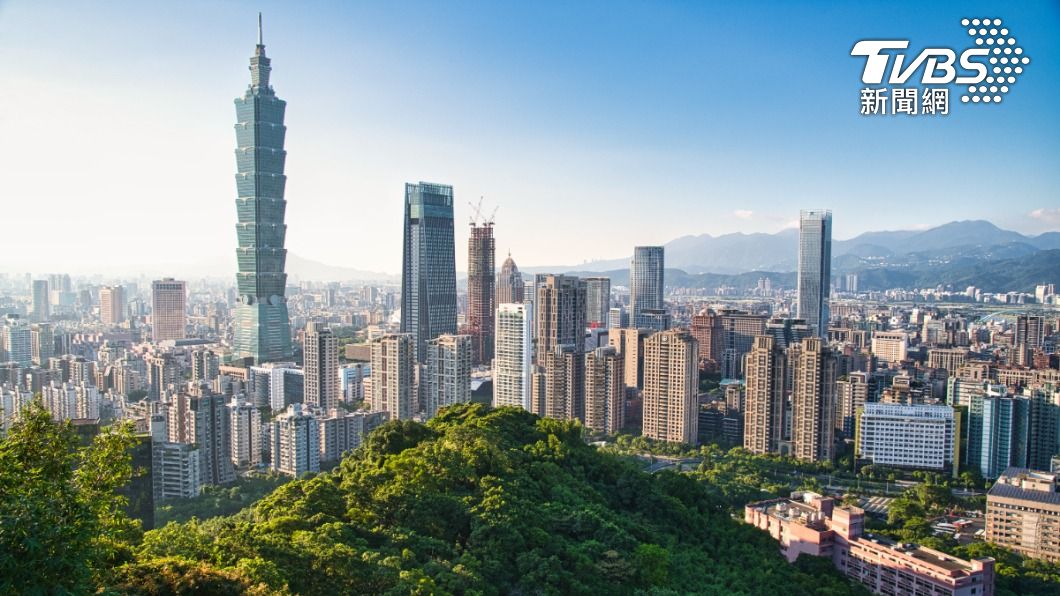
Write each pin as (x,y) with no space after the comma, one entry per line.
(815,268)
(646,286)
(262,325)
(428,269)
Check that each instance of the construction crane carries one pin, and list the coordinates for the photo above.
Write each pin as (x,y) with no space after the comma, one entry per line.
(476,215)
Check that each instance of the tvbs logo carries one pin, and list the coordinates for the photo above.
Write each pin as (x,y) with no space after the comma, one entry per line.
(989,68)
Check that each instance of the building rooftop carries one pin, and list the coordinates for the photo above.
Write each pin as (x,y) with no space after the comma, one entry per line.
(927,555)
(1026,484)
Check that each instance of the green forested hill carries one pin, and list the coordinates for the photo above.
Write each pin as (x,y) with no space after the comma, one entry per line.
(477,501)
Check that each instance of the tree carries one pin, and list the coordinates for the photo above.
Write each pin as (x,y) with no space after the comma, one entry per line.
(62,526)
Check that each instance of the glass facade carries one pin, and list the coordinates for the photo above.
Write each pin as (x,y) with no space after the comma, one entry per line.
(428,271)
(262,324)
(815,268)
(646,286)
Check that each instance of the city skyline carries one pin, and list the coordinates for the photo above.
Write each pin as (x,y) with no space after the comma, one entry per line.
(379,159)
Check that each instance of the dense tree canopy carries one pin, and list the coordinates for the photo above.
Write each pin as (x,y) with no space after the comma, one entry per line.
(479,501)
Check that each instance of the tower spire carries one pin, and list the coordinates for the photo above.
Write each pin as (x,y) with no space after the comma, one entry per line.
(260,42)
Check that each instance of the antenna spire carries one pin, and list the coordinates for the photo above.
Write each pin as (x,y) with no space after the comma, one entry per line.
(260,42)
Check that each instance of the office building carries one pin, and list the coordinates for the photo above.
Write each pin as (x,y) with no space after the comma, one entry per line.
(948,359)
(671,387)
(481,291)
(112,305)
(809,524)
(706,327)
(245,431)
(41,307)
(448,372)
(352,379)
(764,396)
(1028,337)
(815,269)
(295,442)
(1023,513)
(559,314)
(17,341)
(168,315)
(646,285)
(617,318)
(41,343)
(788,332)
(321,367)
(261,321)
(813,368)
(597,301)
(510,285)
(605,391)
(739,330)
(919,437)
(205,365)
(392,388)
(852,393)
(428,272)
(890,347)
(513,355)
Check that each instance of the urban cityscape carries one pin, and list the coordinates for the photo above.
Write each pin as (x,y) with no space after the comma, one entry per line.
(746,413)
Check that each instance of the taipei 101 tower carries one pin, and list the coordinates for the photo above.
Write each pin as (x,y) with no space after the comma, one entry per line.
(262,325)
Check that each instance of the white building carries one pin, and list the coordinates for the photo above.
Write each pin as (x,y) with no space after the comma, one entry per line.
(295,442)
(245,428)
(448,372)
(321,367)
(352,381)
(341,432)
(890,346)
(16,341)
(513,350)
(920,437)
(175,471)
(393,382)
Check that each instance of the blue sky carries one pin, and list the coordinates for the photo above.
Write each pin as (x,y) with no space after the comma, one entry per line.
(592,126)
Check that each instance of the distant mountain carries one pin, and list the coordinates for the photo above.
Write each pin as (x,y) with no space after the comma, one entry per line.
(964,241)
(303,269)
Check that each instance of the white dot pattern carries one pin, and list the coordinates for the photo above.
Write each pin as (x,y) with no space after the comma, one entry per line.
(989,32)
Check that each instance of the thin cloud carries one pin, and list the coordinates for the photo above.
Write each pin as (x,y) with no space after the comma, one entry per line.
(1048,216)
(743,213)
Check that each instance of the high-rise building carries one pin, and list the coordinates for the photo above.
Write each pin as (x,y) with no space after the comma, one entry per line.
(739,330)
(41,301)
(205,365)
(168,314)
(245,430)
(17,341)
(707,329)
(815,268)
(852,393)
(428,271)
(605,391)
(262,324)
(321,367)
(921,437)
(510,285)
(788,332)
(764,396)
(295,442)
(392,387)
(341,432)
(448,372)
(112,305)
(671,387)
(617,318)
(629,344)
(1028,338)
(1023,513)
(646,285)
(559,314)
(513,355)
(813,400)
(597,301)
(481,292)
(42,343)
(564,379)
(175,472)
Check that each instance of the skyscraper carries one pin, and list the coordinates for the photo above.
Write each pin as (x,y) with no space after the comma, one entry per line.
(764,395)
(559,314)
(168,315)
(393,376)
(42,343)
(262,324)
(513,355)
(812,400)
(815,268)
(321,367)
(646,285)
(605,391)
(671,387)
(448,372)
(1028,337)
(41,301)
(481,294)
(112,305)
(510,284)
(597,301)
(428,271)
